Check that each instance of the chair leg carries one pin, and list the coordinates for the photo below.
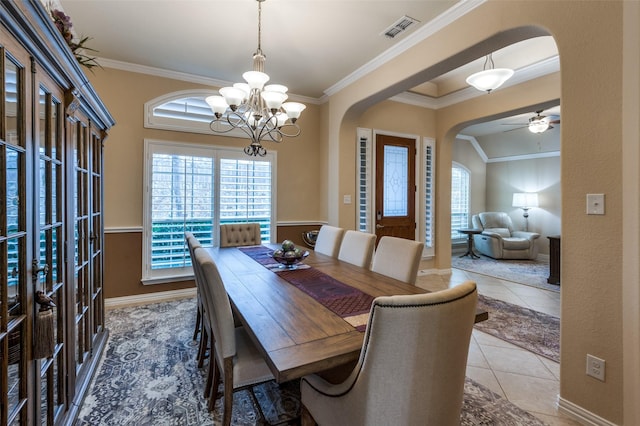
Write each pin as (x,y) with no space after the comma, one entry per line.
(202,348)
(198,319)
(228,391)
(210,387)
(306,417)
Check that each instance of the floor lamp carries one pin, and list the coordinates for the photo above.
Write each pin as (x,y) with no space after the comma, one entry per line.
(525,201)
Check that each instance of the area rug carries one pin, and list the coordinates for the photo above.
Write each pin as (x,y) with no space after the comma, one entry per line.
(534,331)
(528,272)
(149,376)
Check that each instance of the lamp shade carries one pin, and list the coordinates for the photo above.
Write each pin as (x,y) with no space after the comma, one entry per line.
(525,199)
(489,80)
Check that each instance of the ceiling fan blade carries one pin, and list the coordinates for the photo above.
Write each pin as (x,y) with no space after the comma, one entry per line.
(517,128)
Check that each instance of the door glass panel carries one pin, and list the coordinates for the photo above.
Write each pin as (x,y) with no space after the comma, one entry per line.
(13,276)
(395,181)
(12,102)
(55,131)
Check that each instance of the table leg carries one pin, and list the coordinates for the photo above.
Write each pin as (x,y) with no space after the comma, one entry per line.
(470,251)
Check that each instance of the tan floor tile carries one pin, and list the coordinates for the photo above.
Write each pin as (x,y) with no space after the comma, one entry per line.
(559,420)
(486,378)
(530,393)
(552,366)
(476,357)
(516,361)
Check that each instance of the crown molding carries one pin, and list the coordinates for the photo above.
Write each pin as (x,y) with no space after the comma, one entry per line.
(474,142)
(529,72)
(182,76)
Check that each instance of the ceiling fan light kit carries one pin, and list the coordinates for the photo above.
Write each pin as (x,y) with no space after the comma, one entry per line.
(489,79)
(259,111)
(538,124)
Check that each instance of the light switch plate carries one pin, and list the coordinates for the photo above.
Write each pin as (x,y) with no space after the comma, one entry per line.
(346,199)
(595,203)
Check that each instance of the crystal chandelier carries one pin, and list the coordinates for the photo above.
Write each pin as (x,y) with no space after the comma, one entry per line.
(489,79)
(256,109)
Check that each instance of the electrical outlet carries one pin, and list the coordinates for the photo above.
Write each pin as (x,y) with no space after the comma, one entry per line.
(595,367)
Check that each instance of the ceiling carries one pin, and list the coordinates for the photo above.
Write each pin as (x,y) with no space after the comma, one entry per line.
(310,45)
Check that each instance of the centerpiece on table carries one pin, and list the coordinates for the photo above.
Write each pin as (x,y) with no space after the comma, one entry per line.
(289,255)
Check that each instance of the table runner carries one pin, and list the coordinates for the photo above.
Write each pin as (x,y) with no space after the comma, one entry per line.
(347,302)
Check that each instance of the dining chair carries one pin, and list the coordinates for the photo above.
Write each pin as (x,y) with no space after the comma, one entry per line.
(192,244)
(328,241)
(240,234)
(357,248)
(233,357)
(398,258)
(411,368)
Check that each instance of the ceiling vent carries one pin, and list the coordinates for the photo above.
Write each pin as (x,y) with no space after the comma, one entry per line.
(400,26)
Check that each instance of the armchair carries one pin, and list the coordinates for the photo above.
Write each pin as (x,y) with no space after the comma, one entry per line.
(499,240)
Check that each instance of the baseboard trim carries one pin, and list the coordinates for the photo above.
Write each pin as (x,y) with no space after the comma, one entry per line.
(142,299)
(580,414)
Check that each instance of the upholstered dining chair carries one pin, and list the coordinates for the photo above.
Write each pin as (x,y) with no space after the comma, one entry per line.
(411,368)
(398,258)
(357,248)
(192,244)
(328,241)
(233,357)
(240,234)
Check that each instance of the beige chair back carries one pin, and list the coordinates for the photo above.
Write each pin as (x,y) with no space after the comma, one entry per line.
(328,241)
(216,299)
(357,248)
(411,369)
(398,258)
(240,234)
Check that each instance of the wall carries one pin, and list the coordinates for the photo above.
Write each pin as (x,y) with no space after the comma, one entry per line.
(299,189)
(465,154)
(592,113)
(537,175)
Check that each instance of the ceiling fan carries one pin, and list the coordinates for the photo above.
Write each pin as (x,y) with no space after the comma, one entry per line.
(537,124)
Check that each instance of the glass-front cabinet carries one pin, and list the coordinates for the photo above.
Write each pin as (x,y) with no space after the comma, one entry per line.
(52,327)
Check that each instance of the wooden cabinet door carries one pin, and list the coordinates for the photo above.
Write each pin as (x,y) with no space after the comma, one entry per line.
(15,236)
(48,264)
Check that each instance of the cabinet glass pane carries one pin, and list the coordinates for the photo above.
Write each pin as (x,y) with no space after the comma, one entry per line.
(14,370)
(55,212)
(55,133)
(395,177)
(12,164)
(12,115)
(42,122)
(42,169)
(14,274)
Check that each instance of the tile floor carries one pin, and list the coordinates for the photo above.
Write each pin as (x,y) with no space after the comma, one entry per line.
(501,366)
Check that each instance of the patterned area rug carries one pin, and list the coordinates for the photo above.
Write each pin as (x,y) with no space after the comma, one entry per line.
(529,272)
(149,376)
(532,330)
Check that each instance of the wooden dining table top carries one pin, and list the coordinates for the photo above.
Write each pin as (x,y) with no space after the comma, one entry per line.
(296,334)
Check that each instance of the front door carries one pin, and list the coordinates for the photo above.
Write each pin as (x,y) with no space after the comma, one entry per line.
(395,187)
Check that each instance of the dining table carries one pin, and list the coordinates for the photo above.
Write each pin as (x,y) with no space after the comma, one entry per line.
(306,319)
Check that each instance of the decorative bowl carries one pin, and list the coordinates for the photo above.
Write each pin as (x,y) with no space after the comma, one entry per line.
(289,259)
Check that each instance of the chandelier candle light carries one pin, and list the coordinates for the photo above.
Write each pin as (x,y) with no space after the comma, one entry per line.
(258,110)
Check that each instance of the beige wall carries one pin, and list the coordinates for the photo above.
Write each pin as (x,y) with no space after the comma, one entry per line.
(591,93)
(125,93)
(592,162)
(465,154)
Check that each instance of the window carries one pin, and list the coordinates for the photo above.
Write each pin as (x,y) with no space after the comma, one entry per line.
(195,188)
(459,200)
(426,186)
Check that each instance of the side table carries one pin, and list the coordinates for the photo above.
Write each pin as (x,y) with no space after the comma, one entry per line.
(554,259)
(470,233)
